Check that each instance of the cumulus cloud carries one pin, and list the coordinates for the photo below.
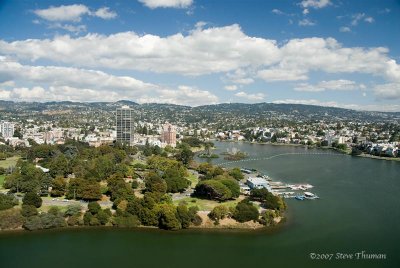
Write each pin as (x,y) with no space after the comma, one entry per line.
(231,87)
(105,13)
(277,11)
(167,3)
(282,74)
(63,13)
(369,19)
(250,97)
(207,51)
(390,91)
(315,3)
(72,13)
(335,85)
(66,83)
(344,29)
(306,22)
(76,29)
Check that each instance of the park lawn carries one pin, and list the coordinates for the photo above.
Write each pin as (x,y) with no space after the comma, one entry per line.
(205,204)
(135,161)
(11,161)
(193,179)
(2,177)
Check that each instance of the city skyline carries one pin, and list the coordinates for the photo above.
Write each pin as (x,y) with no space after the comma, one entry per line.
(320,52)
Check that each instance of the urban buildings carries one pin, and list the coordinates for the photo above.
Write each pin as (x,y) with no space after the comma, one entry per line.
(124,123)
(168,135)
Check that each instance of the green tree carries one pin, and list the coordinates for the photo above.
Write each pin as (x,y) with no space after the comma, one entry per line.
(33,199)
(218,213)
(28,211)
(184,216)
(185,155)
(7,201)
(175,180)
(213,189)
(167,217)
(33,223)
(58,187)
(154,183)
(73,210)
(94,207)
(236,174)
(10,219)
(245,211)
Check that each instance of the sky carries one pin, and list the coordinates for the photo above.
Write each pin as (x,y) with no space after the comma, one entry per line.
(191,52)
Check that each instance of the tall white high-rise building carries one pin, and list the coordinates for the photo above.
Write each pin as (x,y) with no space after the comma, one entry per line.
(7,129)
(124,123)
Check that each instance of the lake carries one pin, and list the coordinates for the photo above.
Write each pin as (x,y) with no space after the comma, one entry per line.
(358,210)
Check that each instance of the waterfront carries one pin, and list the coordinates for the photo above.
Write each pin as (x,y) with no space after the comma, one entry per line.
(358,211)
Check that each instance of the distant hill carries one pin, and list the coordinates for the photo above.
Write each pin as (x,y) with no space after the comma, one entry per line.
(228,112)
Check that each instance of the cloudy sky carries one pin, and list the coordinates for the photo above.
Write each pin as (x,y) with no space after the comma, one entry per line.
(192,52)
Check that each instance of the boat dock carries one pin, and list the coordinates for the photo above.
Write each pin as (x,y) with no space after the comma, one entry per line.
(298,191)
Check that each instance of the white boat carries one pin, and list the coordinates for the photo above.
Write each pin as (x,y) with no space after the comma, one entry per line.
(309,195)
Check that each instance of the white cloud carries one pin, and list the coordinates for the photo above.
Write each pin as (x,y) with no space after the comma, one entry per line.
(369,19)
(306,11)
(277,11)
(66,83)
(231,87)
(63,13)
(306,22)
(105,13)
(211,50)
(281,74)
(68,27)
(390,91)
(335,85)
(250,97)
(72,13)
(315,3)
(356,18)
(167,3)
(344,29)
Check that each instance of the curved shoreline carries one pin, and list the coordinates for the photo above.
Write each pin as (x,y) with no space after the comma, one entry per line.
(320,148)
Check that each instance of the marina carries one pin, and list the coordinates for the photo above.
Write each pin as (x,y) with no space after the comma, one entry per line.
(256,179)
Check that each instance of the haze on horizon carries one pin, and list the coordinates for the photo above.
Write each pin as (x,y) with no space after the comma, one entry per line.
(192,52)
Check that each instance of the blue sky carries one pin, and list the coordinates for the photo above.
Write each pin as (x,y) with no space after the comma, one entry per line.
(192,52)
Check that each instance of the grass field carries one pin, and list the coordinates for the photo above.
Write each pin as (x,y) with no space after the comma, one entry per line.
(9,162)
(193,179)
(204,204)
(2,177)
(135,161)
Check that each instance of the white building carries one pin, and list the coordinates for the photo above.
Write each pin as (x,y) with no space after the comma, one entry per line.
(258,183)
(7,129)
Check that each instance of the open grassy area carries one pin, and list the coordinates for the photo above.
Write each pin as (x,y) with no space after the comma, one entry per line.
(2,177)
(135,161)
(204,204)
(9,162)
(193,179)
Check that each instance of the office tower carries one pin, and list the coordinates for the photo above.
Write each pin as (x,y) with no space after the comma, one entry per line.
(124,122)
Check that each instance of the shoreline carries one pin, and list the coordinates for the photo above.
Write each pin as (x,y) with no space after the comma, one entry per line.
(238,227)
(320,148)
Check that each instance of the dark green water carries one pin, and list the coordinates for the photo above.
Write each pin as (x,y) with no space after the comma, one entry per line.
(359,210)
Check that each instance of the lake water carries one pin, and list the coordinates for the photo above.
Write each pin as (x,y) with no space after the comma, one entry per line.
(359,210)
